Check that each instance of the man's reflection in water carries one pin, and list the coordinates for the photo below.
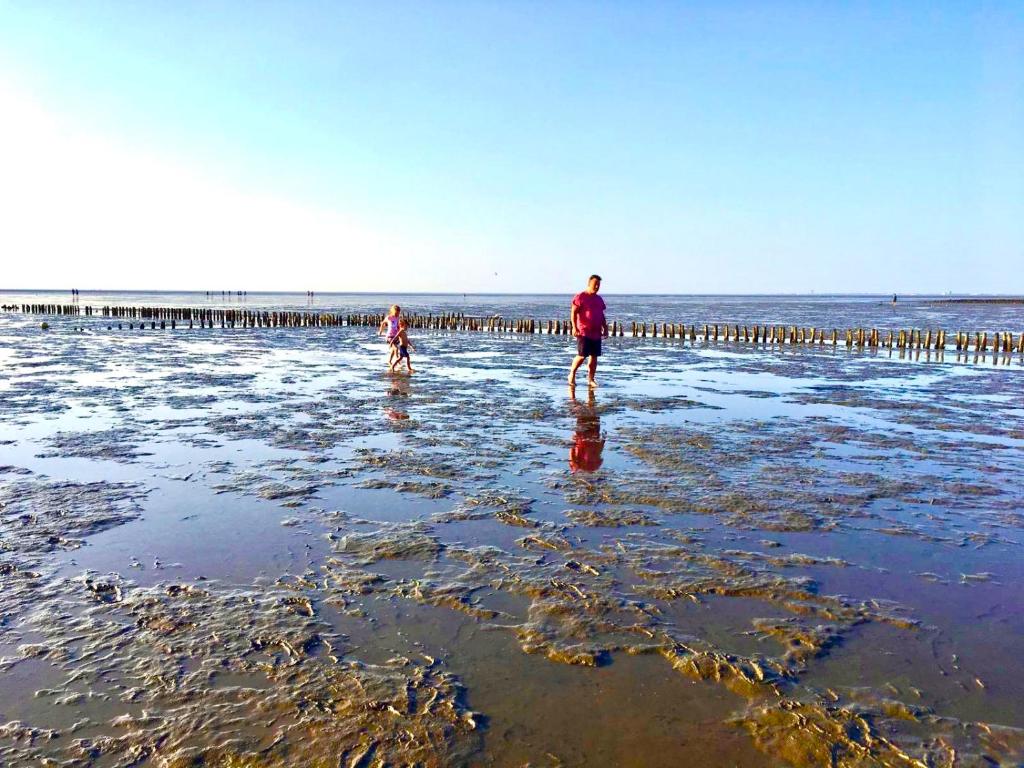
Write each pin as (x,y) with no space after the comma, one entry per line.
(587,445)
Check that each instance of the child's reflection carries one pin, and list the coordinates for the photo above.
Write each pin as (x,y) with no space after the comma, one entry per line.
(398,391)
(588,444)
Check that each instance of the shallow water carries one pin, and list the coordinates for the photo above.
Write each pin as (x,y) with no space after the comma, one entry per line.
(254,547)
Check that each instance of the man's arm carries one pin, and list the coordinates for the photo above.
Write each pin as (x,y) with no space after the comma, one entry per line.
(572,318)
(604,328)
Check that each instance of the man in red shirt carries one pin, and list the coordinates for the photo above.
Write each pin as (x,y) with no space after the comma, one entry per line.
(589,327)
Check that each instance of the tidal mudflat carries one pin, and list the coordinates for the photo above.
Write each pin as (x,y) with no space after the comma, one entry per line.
(255,548)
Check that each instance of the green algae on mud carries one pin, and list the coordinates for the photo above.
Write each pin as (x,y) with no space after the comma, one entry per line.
(470,520)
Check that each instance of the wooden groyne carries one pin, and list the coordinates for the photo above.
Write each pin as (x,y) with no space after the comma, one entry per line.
(190,317)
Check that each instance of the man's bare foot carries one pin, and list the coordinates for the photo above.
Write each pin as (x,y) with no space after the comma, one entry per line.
(591,383)
(411,370)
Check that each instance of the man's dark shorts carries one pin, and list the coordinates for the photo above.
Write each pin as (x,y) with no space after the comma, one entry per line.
(588,347)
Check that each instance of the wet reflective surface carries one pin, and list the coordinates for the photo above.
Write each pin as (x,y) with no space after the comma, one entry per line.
(255,547)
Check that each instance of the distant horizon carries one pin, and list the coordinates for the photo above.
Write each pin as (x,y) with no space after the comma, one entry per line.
(234,294)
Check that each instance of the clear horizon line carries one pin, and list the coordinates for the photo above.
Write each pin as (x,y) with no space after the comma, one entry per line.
(235,293)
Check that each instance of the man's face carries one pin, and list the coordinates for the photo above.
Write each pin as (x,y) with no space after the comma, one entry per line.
(594,285)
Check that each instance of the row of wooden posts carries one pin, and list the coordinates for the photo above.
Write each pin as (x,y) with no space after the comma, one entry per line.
(1001,341)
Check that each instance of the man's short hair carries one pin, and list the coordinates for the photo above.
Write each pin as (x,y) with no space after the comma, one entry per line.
(594,277)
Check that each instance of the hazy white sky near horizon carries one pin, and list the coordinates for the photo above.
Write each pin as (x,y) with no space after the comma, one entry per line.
(512,147)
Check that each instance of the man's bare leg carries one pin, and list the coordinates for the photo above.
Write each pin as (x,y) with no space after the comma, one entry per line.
(592,371)
(576,363)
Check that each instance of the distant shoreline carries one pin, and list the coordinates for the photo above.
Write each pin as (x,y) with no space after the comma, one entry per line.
(931,298)
(1006,300)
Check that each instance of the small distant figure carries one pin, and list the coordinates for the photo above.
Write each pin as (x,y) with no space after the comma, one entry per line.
(589,327)
(403,345)
(894,298)
(389,328)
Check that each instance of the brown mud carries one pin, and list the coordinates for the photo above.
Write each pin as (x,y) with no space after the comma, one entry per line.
(233,552)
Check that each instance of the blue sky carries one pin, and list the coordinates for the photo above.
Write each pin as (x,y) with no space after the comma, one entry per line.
(519,146)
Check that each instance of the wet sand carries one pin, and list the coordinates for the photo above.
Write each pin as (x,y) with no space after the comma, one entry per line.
(255,548)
